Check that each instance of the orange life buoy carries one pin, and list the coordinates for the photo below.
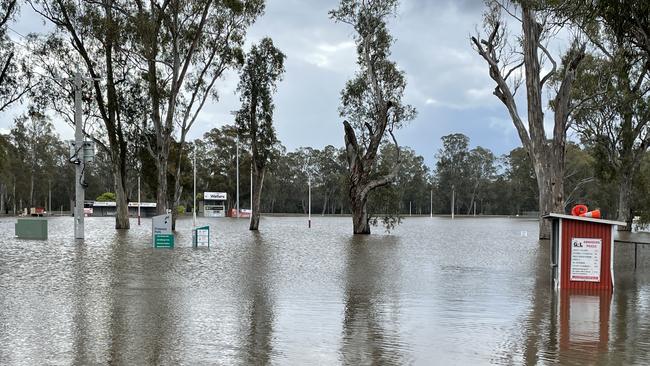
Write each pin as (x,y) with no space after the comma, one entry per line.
(578,210)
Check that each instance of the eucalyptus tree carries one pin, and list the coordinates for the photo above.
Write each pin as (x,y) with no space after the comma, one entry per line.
(371,102)
(330,168)
(90,37)
(16,80)
(626,20)
(185,46)
(481,172)
(262,71)
(452,170)
(35,159)
(613,113)
(614,117)
(216,162)
(219,49)
(505,56)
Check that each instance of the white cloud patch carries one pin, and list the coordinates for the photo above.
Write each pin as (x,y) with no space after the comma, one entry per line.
(332,56)
(481,94)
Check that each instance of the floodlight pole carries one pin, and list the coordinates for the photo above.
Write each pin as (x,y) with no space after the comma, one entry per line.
(80,161)
(453,203)
(139,199)
(237,160)
(194,204)
(250,220)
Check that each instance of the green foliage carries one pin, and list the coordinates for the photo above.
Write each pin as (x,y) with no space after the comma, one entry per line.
(359,98)
(258,82)
(463,171)
(180,209)
(216,164)
(35,161)
(15,76)
(106,197)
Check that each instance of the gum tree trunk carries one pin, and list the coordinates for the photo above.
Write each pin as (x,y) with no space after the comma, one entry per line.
(360,224)
(122,217)
(258,181)
(551,196)
(161,192)
(624,196)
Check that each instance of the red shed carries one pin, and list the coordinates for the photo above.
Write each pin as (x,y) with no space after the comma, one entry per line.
(582,255)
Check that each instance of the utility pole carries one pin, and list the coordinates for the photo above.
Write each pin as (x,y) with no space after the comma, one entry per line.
(77,159)
(410,208)
(194,204)
(139,198)
(80,161)
(308,172)
(49,197)
(251,214)
(431,209)
(453,203)
(237,160)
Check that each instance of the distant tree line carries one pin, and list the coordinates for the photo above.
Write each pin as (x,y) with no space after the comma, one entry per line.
(33,161)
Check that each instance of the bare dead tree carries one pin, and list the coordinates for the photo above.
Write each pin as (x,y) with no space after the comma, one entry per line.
(546,154)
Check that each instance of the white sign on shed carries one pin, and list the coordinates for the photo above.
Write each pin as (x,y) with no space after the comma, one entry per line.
(585,259)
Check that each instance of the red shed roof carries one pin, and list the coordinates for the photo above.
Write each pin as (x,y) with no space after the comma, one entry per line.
(588,219)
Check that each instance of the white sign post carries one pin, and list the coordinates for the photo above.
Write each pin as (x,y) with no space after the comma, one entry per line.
(161,231)
(585,259)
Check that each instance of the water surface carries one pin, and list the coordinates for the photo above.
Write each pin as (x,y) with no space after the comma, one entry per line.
(434,291)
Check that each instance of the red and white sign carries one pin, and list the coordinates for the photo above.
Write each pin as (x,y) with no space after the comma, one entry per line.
(585,259)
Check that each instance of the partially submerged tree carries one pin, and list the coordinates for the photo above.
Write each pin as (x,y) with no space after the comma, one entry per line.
(371,102)
(259,78)
(501,54)
(218,50)
(96,34)
(196,41)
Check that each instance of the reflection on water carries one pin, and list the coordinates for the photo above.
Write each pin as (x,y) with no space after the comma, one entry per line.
(584,324)
(436,291)
(260,304)
(371,315)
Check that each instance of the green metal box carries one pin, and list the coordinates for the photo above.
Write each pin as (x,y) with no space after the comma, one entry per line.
(35,229)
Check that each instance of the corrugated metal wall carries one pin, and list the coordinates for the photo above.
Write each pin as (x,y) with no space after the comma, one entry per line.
(581,229)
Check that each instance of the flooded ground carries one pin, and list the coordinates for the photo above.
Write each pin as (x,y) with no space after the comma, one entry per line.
(434,291)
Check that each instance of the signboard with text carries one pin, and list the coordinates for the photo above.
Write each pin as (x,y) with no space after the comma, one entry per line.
(202,236)
(215,196)
(585,259)
(161,231)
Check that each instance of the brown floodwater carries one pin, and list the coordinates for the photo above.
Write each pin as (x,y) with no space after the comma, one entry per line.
(434,291)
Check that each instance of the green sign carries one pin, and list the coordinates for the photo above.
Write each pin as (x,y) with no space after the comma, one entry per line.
(163,241)
(202,236)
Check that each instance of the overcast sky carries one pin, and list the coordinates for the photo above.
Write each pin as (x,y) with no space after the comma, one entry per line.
(448,82)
